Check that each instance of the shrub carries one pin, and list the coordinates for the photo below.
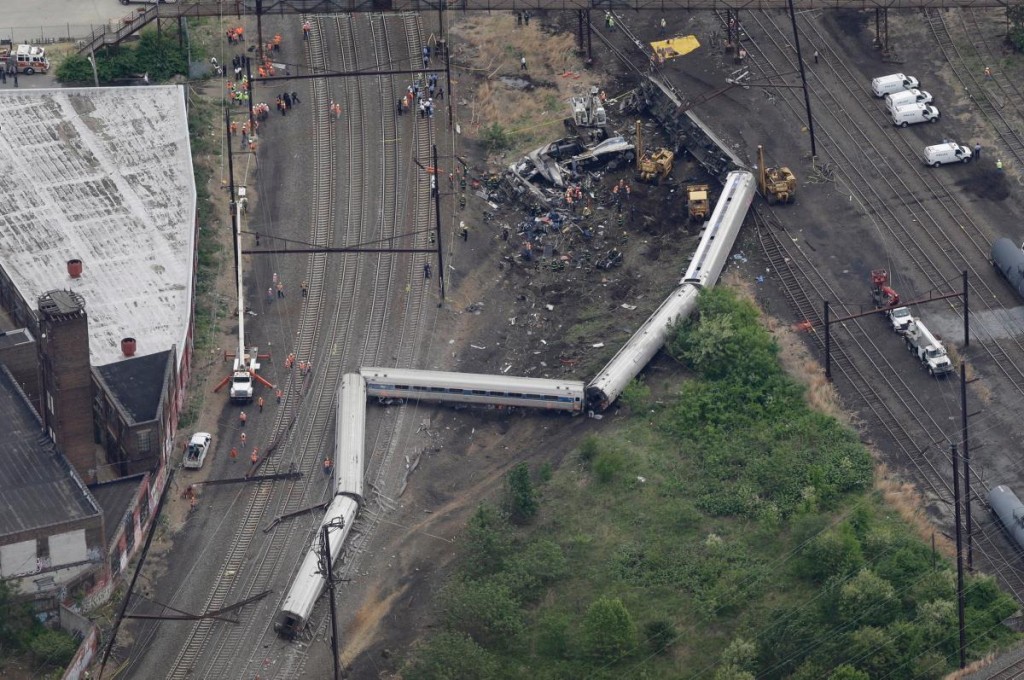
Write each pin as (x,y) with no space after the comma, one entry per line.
(533,568)
(607,465)
(636,396)
(836,552)
(589,449)
(660,635)
(485,610)
(868,599)
(608,635)
(521,499)
(487,543)
(496,138)
(451,655)
(53,647)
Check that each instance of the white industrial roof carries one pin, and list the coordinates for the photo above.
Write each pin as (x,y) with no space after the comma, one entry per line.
(103,175)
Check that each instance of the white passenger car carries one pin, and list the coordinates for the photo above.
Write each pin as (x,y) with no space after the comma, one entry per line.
(915,113)
(198,447)
(947,152)
(897,99)
(895,82)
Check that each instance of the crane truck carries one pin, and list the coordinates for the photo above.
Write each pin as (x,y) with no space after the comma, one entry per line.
(927,348)
(244,373)
(886,298)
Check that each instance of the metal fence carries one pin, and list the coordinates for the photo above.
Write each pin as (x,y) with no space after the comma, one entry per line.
(46,35)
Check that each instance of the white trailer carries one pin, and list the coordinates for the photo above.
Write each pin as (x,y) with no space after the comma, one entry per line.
(927,348)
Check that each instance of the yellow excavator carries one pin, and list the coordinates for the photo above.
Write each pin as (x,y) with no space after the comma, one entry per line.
(652,167)
(778,185)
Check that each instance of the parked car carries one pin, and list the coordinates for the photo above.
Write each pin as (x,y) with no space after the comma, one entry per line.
(195,452)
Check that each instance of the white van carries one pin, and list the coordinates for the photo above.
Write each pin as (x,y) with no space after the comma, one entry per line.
(896,82)
(915,113)
(898,99)
(947,152)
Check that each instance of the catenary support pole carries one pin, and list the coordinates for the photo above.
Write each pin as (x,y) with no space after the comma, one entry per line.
(250,96)
(329,577)
(437,226)
(259,30)
(828,345)
(590,42)
(967,316)
(967,463)
(959,558)
(803,78)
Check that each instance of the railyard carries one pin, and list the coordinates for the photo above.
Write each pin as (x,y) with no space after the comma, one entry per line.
(867,201)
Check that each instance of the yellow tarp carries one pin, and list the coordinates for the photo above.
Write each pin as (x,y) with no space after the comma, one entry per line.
(675,47)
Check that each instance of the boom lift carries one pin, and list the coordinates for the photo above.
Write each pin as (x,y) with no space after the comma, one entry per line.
(778,185)
(246,359)
(655,166)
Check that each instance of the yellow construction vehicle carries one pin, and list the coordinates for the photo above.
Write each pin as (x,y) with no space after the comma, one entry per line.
(697,201)
(652,167)
(778,185)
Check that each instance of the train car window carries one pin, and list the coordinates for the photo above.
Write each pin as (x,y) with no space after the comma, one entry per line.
(483,392)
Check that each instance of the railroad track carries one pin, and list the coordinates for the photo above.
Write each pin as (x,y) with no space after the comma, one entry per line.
(974,86)
(382,452)
(230,574)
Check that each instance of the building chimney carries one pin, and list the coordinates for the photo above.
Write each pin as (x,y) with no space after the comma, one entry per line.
(128,347)
(74,268)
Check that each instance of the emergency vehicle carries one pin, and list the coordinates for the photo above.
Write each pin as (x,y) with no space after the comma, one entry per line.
(27,59)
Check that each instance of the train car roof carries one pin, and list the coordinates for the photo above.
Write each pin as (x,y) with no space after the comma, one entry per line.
(470,380)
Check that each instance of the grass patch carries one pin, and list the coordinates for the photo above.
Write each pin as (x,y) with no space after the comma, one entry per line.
(734,533)
(490,47)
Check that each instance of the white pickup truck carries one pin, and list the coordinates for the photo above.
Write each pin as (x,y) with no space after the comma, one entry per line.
(927,348)
(198,447)
(900,318)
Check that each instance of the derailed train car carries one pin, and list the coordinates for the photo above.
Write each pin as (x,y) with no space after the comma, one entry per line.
(704,270)
(349,455)
(1010,511)
(1008,258)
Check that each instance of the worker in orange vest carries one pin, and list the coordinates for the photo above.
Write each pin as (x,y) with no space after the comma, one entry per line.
(279,395)
(242,418)
(277,42)
(259,402)
(233,454)
(255,457)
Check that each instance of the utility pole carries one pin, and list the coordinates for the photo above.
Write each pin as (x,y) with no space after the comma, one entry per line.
(967,463)
(249,96)
(959,558)
(803,77)
(967,322)
(828,345)
(437,224)
(329,576)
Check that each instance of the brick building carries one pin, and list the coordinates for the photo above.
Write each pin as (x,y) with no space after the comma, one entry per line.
(97,281)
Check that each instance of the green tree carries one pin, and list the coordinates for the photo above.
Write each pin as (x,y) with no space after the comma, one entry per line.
(496,138)
(608,634)
(1015,15)
(451,656)
(868,599)
(521,498)
(731,672)
(660,635)
(847,672)
(740,653)
(836,552)
(636,396)
(487,543)
(53,647)
(485,610)
(533,568)
(551,635)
